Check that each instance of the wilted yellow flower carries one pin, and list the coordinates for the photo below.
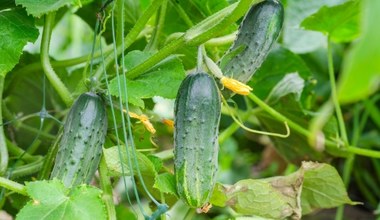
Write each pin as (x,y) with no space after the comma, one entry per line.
(168,122)
(145,120)
(235,86)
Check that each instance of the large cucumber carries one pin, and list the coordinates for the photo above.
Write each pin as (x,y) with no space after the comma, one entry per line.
(197,115)
(258,31)
(82,140)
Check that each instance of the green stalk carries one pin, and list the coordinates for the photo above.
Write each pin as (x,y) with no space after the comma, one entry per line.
(3,146)
(119,20)
(223,136)
(34,67)
(106,186)
(17,151)
(45,61)
(28,169)
(349,163)
(334,94)
(156,58)
(13,186)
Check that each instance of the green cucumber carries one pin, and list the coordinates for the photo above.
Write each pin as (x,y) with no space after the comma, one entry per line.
(197,115)
(257,33)
(80,147)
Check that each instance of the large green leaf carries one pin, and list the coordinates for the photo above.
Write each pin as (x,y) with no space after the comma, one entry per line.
(52,201)
(162,80)
(41,7)
(295,38)
(274,198)
(313,186)
(16,30)
(322,188)
(340,23)
(361,68)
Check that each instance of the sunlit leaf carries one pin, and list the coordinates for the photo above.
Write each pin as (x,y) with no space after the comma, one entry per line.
(16,30)
(41,7)
(295,38)
(340,23)
(52,200)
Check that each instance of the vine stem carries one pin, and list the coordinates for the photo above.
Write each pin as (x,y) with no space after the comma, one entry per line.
(331,146)
(45,61)
(334,94)
(13,186)
(106,186)
(3,146)
(192,38)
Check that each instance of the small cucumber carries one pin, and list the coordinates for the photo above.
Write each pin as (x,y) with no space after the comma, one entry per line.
(197,115)
(258,31)
(82,140)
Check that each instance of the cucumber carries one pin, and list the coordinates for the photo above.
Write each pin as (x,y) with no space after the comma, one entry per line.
(257,33)
(80,147)
(196,124)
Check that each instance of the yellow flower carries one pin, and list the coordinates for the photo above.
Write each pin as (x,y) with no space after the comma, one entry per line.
(168,122)
(235,86)
(145,120)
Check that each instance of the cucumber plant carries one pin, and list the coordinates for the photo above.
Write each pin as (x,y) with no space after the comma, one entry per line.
(257,33)
(82,141)
(144,63)
(197,116)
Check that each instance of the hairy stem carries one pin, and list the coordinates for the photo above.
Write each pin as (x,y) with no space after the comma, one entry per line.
(3,146)
(13,186)
(106,186)
(45,61)
(334,94)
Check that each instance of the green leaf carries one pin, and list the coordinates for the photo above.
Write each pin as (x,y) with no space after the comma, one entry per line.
(361,69)
(41,7)
(278,64)
(275,198)
(292,83)
(162,80)
(16,30)
(322,188)
(112,158)
(340,23)
(294,37)
(157,162)
(165,182)
(52,200)
(312,187)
